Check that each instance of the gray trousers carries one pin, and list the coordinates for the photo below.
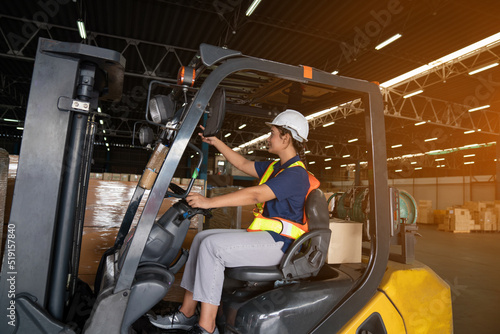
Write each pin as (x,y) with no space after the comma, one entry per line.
(214,250)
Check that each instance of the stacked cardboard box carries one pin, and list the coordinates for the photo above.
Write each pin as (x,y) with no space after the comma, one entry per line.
(488,220)
(461,220)
(439,216)
(425,215)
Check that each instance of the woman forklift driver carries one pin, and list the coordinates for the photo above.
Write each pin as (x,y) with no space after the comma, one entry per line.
(283,187)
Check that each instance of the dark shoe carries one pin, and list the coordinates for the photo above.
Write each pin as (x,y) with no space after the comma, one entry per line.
(174,320)
(197,329)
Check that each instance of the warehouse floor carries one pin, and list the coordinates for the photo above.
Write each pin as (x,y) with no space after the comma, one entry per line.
(470,264)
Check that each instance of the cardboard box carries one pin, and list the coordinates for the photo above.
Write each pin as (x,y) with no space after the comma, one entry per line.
(345,243)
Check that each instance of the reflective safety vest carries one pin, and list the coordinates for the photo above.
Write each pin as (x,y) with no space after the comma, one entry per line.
(281,226)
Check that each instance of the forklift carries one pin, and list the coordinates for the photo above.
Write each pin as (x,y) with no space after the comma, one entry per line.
(389,292)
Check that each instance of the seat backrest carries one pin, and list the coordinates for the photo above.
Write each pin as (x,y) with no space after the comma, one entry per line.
(316,209)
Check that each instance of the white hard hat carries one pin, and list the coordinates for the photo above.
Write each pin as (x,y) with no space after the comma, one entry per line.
(295,122)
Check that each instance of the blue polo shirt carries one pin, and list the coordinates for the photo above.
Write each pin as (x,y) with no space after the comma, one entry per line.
(290,188)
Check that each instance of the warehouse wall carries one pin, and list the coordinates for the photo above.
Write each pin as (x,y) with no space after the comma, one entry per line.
(443,191)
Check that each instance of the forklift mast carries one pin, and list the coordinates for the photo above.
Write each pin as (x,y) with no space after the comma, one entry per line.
(68,80)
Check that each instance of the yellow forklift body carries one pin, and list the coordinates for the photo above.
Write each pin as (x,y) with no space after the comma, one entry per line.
(411,296)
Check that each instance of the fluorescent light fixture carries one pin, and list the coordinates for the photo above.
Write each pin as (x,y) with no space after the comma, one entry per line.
(484,68)
(101,122)
(306,152)
(81,29)
(343,165)
(321,113)
(469,155)
(470,131)
(420,123)
(430,139)
(20,128)
(328,146)
(417,168)
(99,109)
(440,159)
(413,94)
(312,162)
(346,156)
(352,140)
(104,131)
(397,145)
(398,170)
(11,120)
(335,72)
(328,167)
(250,152)
(468,163)
(108,148)
(328,124)
(252,7)
(328,159)
(241,126)
(227,135)
(452,56)
(388,41)
(479,108)
(105,138)
(413,163)
(107,144)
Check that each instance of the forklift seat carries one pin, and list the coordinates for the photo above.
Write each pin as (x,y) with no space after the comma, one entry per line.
(305,256)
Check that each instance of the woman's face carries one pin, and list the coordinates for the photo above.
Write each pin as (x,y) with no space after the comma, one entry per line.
(275,142)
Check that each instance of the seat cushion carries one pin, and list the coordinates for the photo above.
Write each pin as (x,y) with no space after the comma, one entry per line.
(255,274)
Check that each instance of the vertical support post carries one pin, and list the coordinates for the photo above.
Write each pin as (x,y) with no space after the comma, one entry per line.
(497,165)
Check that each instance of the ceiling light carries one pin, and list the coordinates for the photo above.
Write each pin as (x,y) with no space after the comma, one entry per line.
(328,167)
(412,94)
(107,144)
(101,122)
(108,148)
(398,145)
(81,29)
(398,170)
(328,146)
(484,68)
(440,159)
(252,7)
(469,155)
(328,159)
(105,138)
(468,163)
(328,124)
(99,109)
(352,140)
(104,131)
(20,128)
(250,152)
(387,41)
(307,152)
(470,131)
(417,168)
(312,162)
(479,108)
(321,113)
(335,72)
(346,156)
(430,139)
(420,123)
(452,56)
(227,135)
(413,163)
(11,120)
(343,165)
(241,126)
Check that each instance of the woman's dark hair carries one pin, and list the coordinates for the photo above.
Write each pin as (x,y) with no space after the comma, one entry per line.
(299,147)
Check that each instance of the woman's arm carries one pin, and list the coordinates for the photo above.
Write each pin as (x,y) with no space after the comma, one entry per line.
(246,196)
(236,159)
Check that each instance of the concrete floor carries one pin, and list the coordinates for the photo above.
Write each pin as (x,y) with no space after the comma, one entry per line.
(470,264)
